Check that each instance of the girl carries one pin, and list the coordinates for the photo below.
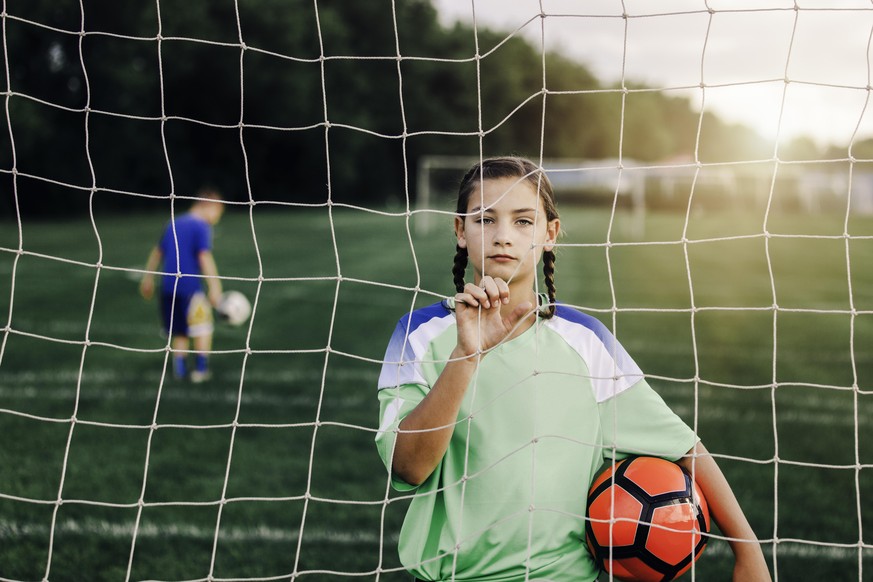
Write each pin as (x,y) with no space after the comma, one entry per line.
(498,407)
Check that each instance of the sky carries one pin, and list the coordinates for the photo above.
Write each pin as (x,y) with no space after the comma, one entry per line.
(742,50)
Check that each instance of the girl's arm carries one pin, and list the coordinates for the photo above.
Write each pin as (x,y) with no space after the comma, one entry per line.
(425,433)
(728,515)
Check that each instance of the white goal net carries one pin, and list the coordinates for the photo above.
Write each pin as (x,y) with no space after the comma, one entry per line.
(713,163)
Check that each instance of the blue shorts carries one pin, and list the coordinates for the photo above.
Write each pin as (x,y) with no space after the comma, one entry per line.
(191,314)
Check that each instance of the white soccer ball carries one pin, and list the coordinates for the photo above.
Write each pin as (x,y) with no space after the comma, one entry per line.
(234,308)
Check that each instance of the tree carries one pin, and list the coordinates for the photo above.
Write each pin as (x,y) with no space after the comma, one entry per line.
(334,102)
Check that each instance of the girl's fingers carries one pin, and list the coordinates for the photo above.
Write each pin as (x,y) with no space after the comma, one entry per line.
(490,292)
(478,293)
(466,299)
(495,290)
(490,287)
(502,289)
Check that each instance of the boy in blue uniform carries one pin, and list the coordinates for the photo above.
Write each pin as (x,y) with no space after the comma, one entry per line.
(186,310)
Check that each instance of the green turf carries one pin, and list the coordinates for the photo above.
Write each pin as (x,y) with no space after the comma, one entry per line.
(284,431)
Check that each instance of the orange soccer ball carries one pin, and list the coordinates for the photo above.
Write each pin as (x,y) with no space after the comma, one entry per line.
(647,520)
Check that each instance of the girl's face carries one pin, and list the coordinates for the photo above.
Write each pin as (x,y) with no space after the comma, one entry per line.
(505,230)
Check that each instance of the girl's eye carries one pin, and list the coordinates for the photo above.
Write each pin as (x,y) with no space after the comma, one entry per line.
(525,221)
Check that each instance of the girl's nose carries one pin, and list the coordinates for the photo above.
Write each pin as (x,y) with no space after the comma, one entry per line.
(501,235)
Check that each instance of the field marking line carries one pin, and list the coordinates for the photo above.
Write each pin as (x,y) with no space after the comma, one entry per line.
(10,530)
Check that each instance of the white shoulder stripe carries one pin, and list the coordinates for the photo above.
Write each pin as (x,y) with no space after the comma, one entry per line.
(612,370)
(403,357)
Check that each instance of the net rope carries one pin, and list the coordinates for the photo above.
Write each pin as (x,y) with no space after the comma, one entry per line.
(385,538)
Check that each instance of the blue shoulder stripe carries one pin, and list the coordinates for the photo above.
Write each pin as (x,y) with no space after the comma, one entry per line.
(409,341)
(612,369)
(588,321)
(421,316)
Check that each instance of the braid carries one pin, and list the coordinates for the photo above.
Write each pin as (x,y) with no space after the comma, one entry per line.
(549,272)
(460,268)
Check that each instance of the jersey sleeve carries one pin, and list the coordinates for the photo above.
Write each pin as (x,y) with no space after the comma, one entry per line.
(409,370)
(401,387)
(394,404)
(634,419)
(202,238)
(638,422)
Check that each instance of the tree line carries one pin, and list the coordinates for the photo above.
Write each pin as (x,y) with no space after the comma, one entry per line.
(295,101)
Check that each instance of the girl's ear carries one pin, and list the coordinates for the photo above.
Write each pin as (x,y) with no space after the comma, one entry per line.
(553,230)
(459,232)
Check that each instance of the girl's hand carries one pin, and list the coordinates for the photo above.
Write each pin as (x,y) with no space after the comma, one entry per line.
(481,324)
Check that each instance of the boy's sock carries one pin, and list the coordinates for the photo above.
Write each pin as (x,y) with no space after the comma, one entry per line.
(180,367)
(201,369)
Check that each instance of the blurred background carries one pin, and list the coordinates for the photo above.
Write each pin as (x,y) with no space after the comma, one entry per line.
(173,100)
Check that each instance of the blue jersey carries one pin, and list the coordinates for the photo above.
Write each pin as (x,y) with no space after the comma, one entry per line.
(194,236)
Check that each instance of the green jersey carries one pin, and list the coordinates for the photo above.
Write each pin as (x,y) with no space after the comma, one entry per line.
(544,410)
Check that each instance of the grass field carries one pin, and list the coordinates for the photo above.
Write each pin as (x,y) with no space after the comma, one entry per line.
(110,470)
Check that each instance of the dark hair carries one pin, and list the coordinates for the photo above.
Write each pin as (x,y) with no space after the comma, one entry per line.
(508,167)
(209,193)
